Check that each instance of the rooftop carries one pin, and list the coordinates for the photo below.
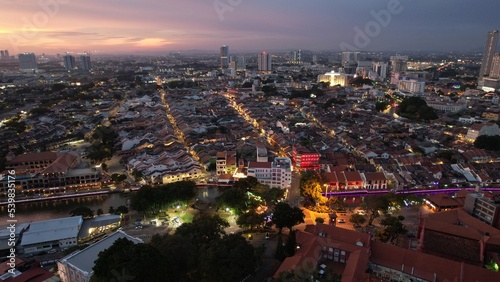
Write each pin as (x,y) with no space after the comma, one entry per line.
(84,259)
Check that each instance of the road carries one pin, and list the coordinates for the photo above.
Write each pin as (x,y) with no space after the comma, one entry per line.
(269,263)
(294,191)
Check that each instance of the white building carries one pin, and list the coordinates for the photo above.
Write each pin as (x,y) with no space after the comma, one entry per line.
(275,174)
(48,234)
(448,106)
(334,78)
(77,267)
(412,86)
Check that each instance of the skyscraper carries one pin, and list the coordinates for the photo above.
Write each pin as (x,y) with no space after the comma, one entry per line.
(296,57)
(380,68)
(27,62)
(224,57)
(399,64)
(239,62)
(2,55)
(495,66)
(6,52)
(264,62)
(85,62)
(69,62)
(489,52)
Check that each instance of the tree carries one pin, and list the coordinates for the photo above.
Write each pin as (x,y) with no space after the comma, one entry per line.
(137,174)
(375,204)
(126,261)
(416,108)
(99,212)
(319,220)
(180,253)
(246,184)
(203,229)
(229,259)
(121,210)
(150,199)
(357,219)
(488,142)
(118,177)
(111,210)
(286,216)
(233,198)
(250,219)
(427,113)
(393,228)
(85,212)
(104,167)
(310,186)
(381,106)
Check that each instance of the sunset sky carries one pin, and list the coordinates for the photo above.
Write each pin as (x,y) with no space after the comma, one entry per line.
(126,26)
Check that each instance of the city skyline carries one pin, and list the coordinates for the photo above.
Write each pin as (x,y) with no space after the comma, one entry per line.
(125,26)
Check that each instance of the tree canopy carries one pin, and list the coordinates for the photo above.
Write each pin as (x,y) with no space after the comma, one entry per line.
(85,212)
(151,199)
(285,215)
(375,204)
(488,142)
(310,187)
(126,261)
(416,108)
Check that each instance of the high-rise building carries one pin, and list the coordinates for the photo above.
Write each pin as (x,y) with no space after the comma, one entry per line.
(380,68)
(69,62)
(6,52)
(495,66)
(239,63)
(85,62)
(2,55)
(489,52)
(27,62)
(264,62)
(296,57)
(399,64)
(224,57)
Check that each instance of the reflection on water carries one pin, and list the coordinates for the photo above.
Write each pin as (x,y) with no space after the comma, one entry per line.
(38,211)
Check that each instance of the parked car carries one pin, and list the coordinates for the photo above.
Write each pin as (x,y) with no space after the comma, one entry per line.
(341,221)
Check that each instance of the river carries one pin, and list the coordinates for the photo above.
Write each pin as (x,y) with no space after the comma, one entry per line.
(37,211)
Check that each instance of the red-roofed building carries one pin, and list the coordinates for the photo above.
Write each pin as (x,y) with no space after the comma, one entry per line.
(375,180)
(350,180)
(457,235)
(353,255)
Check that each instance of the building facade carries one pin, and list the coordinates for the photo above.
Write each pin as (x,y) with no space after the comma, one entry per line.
(224,57)
(277,173)
(305,159)
(264,62)
(489,52)
(27,62)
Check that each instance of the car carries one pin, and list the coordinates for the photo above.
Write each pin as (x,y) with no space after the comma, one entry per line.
(341,221)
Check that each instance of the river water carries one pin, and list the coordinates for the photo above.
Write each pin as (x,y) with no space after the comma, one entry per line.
(37,211)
